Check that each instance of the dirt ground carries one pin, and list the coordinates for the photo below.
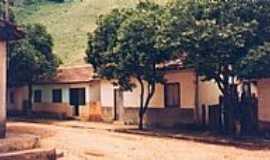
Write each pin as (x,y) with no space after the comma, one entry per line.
(98,144)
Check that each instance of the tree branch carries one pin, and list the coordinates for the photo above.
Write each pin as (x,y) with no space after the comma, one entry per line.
(152,88)
(221,88)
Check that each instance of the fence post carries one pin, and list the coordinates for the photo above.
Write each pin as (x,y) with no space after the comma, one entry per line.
(221,113)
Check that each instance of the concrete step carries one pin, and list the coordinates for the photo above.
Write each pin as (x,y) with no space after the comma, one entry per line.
(33,154)
(18,142)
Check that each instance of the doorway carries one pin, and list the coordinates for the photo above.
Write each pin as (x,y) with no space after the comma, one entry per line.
(118,105)
(77,98)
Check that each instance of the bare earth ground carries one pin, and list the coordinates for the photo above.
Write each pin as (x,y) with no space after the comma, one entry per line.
(98,144)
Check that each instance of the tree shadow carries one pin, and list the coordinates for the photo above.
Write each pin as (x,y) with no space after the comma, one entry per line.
(206,137)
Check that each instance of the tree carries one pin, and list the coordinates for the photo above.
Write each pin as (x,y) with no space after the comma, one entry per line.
(31,58)
(218,38)
(124,49)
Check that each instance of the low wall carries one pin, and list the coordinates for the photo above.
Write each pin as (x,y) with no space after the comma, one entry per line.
(58,109)
(160,117)
(154,117)
(107,114)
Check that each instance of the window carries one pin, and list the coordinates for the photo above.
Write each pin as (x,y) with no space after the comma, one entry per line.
(11,97)
(37,96)
(77,96)
(57,95)
(172,95)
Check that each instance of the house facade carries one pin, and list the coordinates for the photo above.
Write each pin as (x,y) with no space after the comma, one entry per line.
(174,103)
(70,93)
(73,92)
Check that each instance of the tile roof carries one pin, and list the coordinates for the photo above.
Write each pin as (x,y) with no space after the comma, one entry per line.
(67,75)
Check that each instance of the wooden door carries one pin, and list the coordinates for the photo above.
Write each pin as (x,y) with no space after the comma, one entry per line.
(77,98)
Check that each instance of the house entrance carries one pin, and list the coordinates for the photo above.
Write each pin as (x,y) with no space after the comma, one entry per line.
(77,98)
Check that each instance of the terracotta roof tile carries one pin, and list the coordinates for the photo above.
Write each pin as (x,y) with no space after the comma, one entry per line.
(78,74)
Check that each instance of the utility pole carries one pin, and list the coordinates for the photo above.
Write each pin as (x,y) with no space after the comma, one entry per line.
(3,81)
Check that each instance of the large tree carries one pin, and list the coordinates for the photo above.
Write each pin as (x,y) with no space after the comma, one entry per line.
(220,39)
(31,58)
(124,49)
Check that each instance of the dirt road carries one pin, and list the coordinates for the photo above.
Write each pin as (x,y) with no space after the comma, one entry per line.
(98,144)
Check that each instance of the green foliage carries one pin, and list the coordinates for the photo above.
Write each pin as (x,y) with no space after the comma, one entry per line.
(31,58)
(124,45)
(225,41)
(218,36)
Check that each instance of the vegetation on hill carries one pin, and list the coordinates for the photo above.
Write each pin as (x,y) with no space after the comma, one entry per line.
(68,22)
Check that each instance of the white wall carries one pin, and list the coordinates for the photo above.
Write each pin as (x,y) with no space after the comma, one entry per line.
(132,98)
(186,78)
(47,91)
(264,100)
(95,91)
(107,94)
(208,92)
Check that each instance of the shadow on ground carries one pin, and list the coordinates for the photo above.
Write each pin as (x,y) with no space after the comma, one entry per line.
(248,143)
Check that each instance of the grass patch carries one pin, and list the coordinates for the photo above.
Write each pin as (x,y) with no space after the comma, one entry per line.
(69,23)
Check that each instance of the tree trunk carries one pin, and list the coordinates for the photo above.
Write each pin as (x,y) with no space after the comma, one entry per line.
(30,96)
(141,115)
(248,111)
(230,104)
(144,103)
(141,104)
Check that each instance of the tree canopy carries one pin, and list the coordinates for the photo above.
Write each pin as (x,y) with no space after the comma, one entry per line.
(218,36)
(124,48)
(225,41)
(31,58)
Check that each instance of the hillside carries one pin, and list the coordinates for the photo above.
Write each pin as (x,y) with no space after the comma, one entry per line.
(69,23)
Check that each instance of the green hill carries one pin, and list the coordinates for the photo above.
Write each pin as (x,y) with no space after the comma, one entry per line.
(69,23)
